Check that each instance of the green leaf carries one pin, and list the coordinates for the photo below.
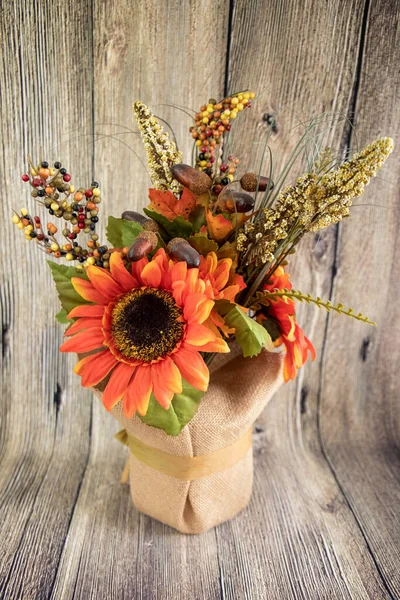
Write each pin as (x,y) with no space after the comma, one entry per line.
(250,336)
(202,244)
(62,317)
(176,228)
(62,275)
(121,233)
(183,408)
(198,218)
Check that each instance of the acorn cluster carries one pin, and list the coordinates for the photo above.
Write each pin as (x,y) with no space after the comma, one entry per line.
(212,122)
(78,209)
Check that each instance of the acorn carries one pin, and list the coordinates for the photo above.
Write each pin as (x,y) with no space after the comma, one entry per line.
(150,225)
(197,181)
(145,243)
(238,202)
(131,215)
(250,181)
(180,249)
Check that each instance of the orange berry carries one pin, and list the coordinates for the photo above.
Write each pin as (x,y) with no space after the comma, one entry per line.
(78,196)
(68,247)
(44,173)
(232,170)
(76,229)
(49,190)
(57,254)
(195,135)
(90,244)
(91,205)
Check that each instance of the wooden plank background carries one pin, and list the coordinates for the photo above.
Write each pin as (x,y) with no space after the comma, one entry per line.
(323,522)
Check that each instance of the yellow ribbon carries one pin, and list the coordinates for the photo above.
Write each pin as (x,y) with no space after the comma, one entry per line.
(187,468)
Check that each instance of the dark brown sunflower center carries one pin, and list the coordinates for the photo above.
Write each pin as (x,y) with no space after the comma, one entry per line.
(147,324)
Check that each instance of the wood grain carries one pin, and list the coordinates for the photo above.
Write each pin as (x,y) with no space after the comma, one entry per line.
(323,522)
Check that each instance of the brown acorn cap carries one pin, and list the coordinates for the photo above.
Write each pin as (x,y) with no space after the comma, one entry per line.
(250,181)
(151,225)
(197,181)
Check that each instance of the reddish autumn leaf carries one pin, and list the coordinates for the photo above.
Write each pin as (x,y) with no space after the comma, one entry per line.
(218,226)
(185,204)
(166,204)
(163,203)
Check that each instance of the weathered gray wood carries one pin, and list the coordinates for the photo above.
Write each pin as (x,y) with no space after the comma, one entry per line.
(360,416)
(45,416)
(322,522)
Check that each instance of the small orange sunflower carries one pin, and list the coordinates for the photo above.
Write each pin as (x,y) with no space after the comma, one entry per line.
(225,285)
(148,327)
(283,313)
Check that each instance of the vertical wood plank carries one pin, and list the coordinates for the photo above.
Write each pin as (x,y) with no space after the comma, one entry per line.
(45,91)
(306,56)
(360,413)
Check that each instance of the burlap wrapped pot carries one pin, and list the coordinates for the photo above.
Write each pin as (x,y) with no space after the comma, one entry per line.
(239,390)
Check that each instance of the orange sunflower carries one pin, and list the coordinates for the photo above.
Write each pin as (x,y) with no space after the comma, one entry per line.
(282,312)
(225,285)
(147,328)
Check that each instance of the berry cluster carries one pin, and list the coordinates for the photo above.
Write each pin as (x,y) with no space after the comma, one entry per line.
(51,188)
(211,123)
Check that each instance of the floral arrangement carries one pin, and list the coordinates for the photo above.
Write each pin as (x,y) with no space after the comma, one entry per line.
(148,310)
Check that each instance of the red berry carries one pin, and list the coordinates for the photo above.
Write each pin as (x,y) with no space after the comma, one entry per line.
(223,167)
(37,182)
(67,177)
(81,217)
(81,225)
(208,132)
(71,236)
(204,148)
(228,127)
(80,209)
(40,237)
(212,159)
(25,177)
(230,157)
(37,219)
(88,193)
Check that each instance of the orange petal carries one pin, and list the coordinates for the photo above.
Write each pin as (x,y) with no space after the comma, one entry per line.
(86,310)
(104,282)
(170,375)
(218,345)
(138,393)
(192,368)
(95,368)
(116,387)
(81,324)
(120,273)
(179,271)
(86,341)
(229,293)
(87,290)
(221,274)
(138,266)
(197,308)
(151,275)
(163,394)
(198,335)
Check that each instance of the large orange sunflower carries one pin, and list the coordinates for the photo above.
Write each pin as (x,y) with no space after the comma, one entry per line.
(148,328)
(283,313)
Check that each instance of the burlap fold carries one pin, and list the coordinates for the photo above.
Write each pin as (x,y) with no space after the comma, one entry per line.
(239,390)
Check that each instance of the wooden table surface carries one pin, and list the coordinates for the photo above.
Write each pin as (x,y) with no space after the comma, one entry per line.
(324,518)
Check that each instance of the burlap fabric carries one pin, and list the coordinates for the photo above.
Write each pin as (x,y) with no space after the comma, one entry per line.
(239,390)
